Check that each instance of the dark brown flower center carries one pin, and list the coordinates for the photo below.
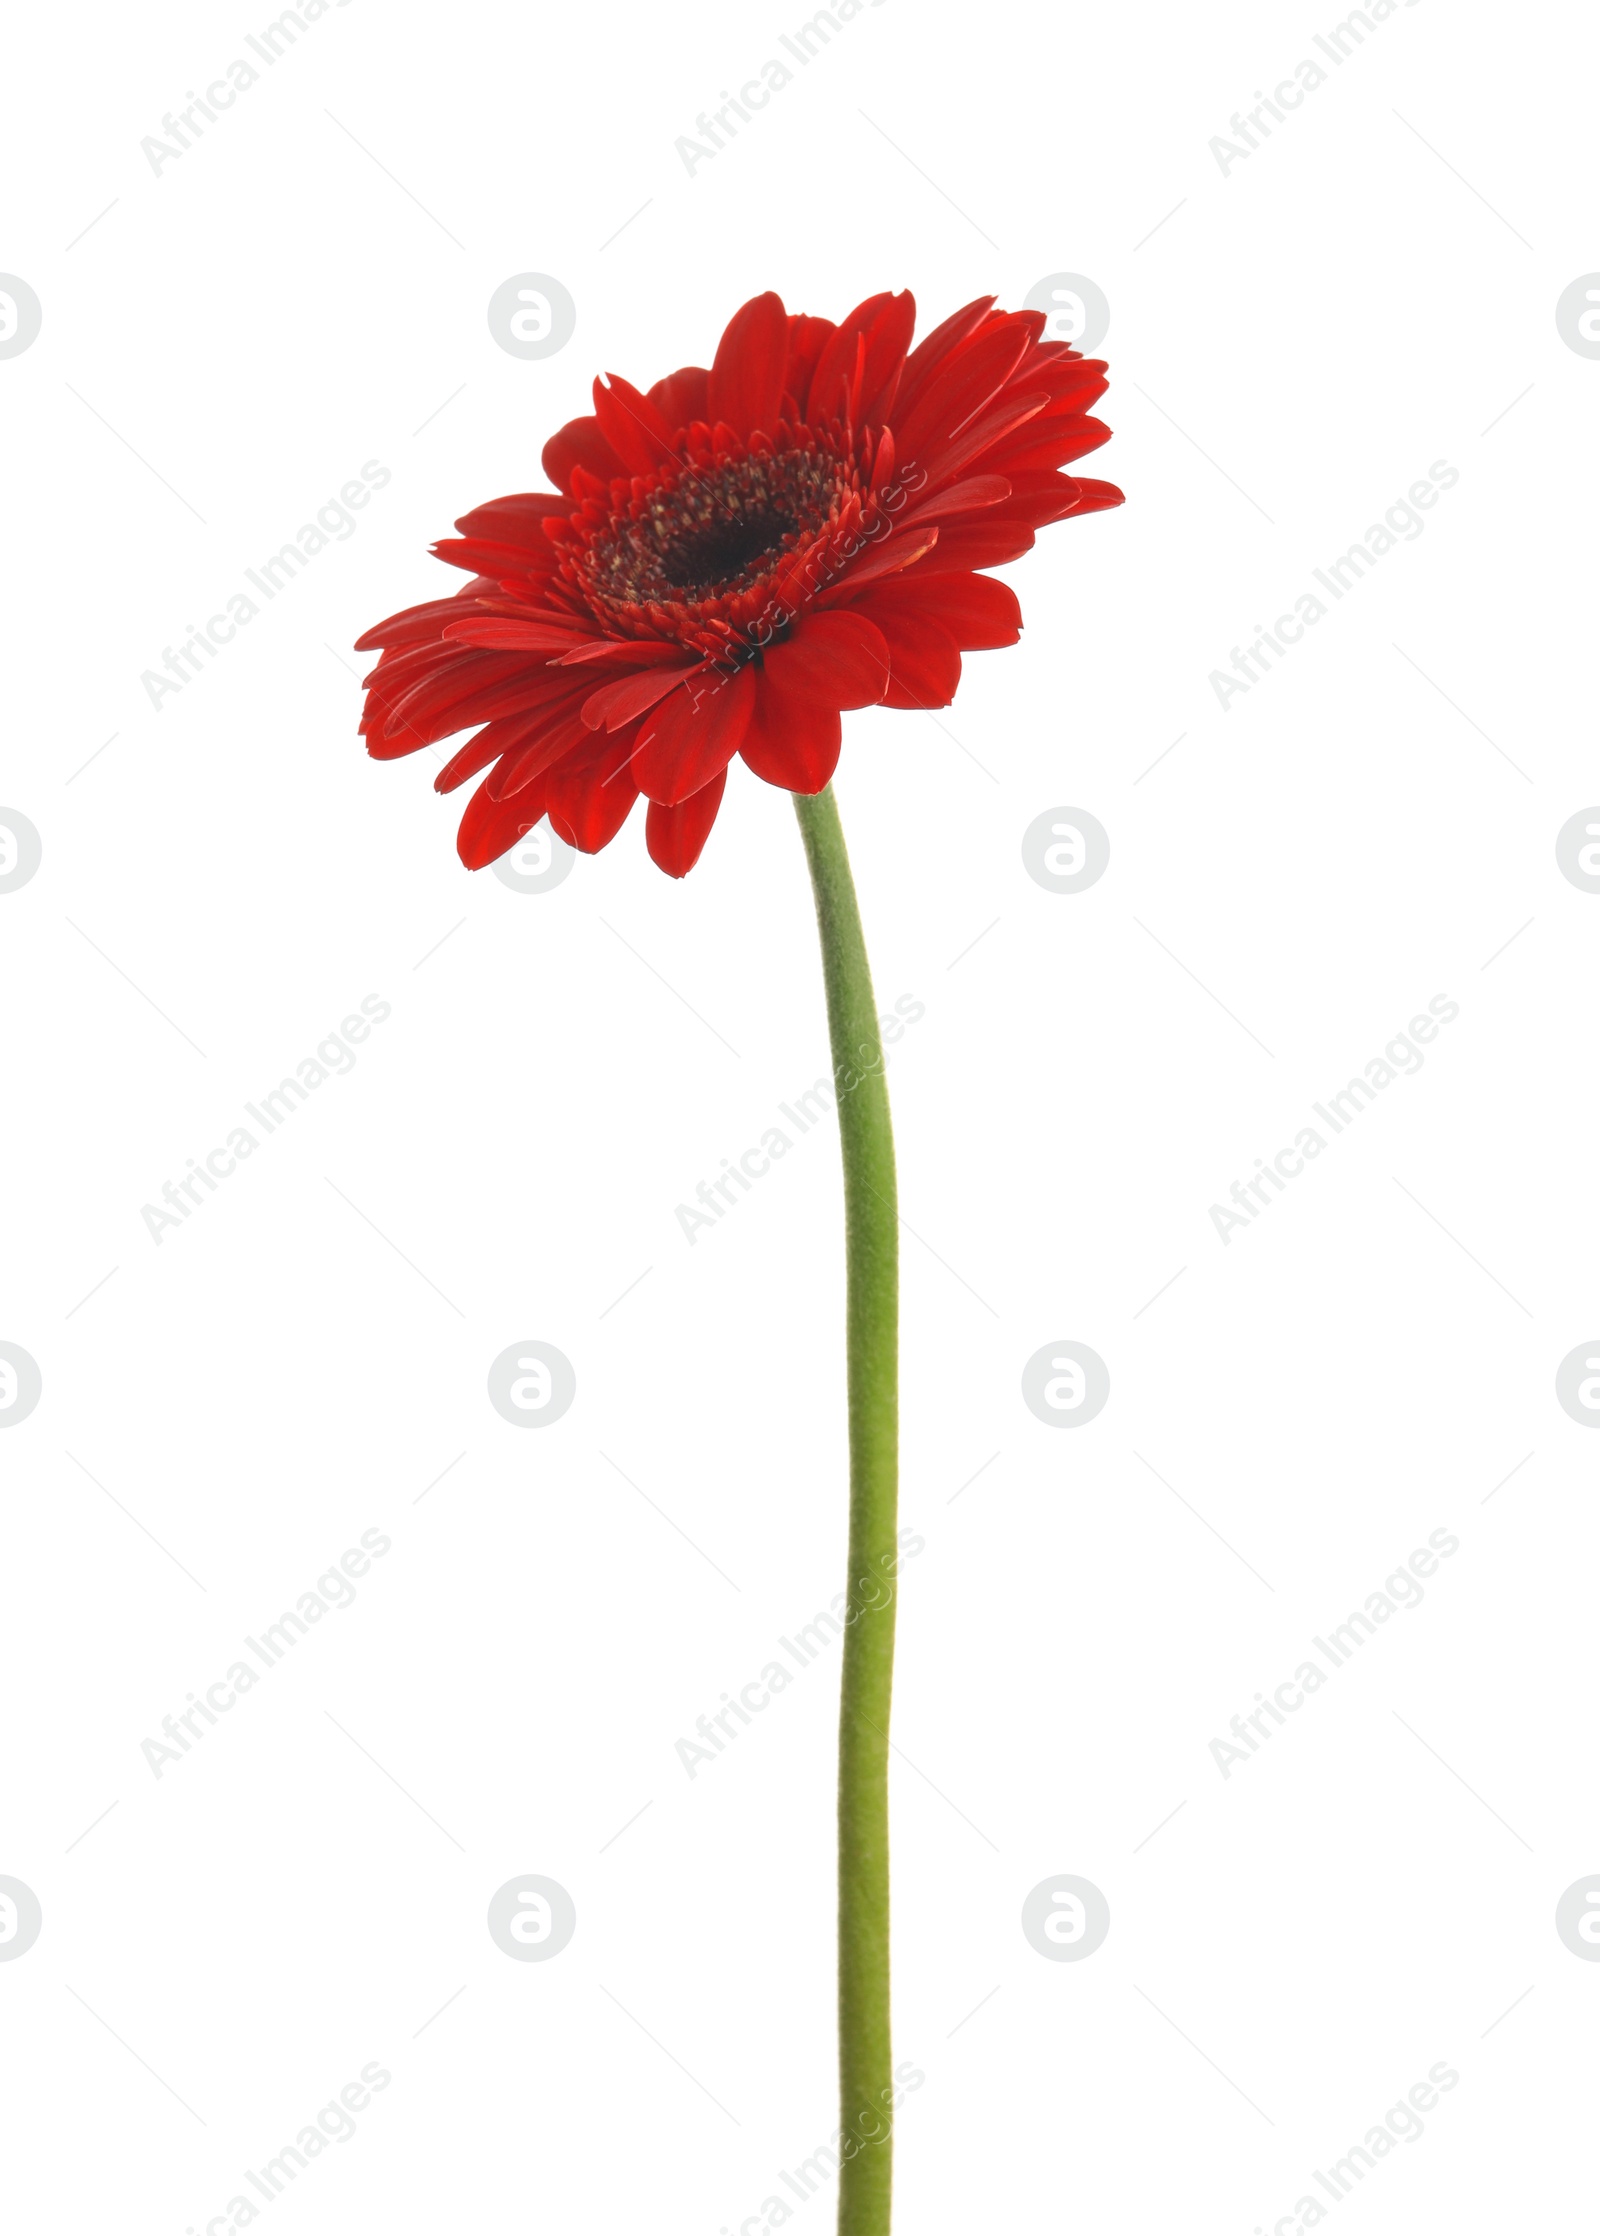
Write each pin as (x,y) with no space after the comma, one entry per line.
(711,549)
(701,561)
(714,527)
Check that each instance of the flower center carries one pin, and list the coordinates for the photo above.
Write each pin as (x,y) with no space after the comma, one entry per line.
(699,561)
(691,549)
(712,549)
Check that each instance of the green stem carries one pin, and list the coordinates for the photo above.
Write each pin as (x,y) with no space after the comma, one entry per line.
(871,1336)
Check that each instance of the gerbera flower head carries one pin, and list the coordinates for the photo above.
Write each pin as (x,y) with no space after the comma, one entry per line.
(735,557)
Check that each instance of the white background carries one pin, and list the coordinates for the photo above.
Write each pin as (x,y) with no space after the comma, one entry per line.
(228,1411)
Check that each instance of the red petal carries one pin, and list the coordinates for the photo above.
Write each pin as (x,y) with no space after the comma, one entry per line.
(959,391)
(839,659)
(971,446)
(490,828)
(580,444)
(491,742)
(889,555)
(502,635)
(499,739)
(983,543)
(924,661)
(1097,496)
(1062,421)
(808,338)
(542,751)
(687,741)
(885,322)
(1048,442)
(975,494)
(445,674)
(792,742)
(402,666)
(517,695)
(1037,499)
(887,344)
(397,719)
(632,425)
(616,704)
(931,353)
(514,520)
(746,386)
(485,558)
(622,653)
(476,754)
(589,799)
(977,612)
(681,397)
(676,836)
(414,625)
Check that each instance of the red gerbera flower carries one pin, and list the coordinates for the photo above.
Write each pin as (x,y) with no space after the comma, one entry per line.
(735,558)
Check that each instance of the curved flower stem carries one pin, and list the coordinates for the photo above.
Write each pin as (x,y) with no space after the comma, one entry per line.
(871,1335)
